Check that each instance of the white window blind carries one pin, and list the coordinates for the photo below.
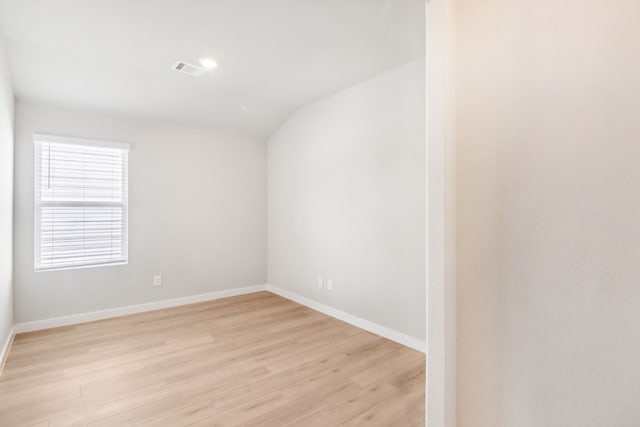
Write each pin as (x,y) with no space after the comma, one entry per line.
(81,198)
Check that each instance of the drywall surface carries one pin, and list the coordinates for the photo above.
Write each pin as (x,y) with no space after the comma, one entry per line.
(6,198)
(197,215)
(440,396)
(548,236)
(347,201)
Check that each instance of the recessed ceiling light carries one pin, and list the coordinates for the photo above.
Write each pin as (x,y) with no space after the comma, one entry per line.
(208,63)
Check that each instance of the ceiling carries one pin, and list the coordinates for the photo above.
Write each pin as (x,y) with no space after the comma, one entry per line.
(274,56)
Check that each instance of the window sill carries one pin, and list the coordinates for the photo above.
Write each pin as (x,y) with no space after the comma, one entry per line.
(81,267)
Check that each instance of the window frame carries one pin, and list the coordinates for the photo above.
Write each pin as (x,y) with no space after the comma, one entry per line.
(39,139)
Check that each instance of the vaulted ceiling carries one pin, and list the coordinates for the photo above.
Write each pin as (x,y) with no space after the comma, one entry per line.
(274,56)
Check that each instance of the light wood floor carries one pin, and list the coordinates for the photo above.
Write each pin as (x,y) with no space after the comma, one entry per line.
(252,360)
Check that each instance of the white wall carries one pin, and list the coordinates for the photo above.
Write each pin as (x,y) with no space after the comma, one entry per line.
(197,215)
(6,198)
(347,201)
(440,404)
(548,141)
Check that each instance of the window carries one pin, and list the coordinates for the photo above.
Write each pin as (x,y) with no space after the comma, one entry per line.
(80,202)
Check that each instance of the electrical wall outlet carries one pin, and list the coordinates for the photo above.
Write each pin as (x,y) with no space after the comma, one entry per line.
(157,280)
(330,284)
(320,282)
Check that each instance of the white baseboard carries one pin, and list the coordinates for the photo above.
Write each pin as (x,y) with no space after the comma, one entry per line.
(131,309)
(75,319)
(5,348)
(367,325)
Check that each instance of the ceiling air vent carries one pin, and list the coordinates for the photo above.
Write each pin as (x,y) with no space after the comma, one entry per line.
(190,69)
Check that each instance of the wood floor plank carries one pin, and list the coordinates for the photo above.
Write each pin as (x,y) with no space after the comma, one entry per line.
(251,360)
